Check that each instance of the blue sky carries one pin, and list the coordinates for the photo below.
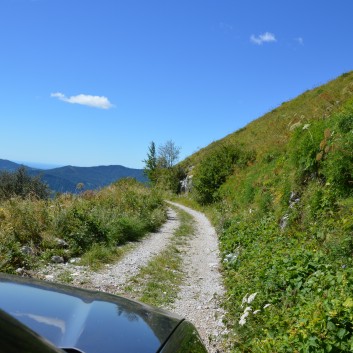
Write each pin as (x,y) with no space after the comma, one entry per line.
(93,82)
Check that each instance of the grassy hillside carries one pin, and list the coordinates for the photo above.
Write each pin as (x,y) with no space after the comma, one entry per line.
(280,191)
(271,132)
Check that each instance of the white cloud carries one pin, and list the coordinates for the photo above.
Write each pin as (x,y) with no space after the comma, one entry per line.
(85,99)
(263,38)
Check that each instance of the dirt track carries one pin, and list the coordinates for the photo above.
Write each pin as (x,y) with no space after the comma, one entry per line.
(201,292)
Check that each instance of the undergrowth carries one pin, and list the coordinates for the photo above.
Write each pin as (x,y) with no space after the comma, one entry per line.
(92,223)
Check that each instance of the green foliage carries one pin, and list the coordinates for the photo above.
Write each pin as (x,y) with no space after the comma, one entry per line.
(88,222)
(213,171)
(305,146)
(12,256)
(160,167)
(21,184)
(128,229)
(100,254)
(151,163)
(324,150)
(169,178)
(81,227)
(338,164)
(310,292)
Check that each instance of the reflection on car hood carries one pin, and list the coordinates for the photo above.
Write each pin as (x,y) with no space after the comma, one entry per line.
(89,321)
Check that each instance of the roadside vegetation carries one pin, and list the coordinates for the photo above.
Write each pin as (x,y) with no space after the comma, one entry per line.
(280,192)
(161,168)
(92,224)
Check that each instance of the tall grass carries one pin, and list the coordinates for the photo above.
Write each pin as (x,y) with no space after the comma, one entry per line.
(71,225)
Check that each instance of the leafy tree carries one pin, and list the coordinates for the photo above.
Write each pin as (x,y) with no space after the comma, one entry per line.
(23,185)
(151,163)
(160,167)
(168,154)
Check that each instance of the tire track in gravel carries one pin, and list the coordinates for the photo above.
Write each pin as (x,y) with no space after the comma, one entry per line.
(201,293)
(115,277)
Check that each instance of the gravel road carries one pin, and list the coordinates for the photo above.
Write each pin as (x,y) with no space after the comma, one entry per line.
(200,295)
(201,292)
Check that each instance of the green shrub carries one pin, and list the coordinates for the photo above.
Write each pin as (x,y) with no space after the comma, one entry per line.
(304,149)
(337,166)
(12,255)
(126,229)
(28,220)
(324,150)
(214,170)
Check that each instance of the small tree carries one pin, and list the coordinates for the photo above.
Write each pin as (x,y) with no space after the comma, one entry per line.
(168,154)
(151,163)
(160,168)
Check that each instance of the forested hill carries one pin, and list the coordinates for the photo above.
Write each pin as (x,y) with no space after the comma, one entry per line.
(66,179)
(280,192)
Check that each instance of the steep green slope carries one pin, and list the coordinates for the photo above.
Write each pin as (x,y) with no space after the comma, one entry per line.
(271,132)
(281,193)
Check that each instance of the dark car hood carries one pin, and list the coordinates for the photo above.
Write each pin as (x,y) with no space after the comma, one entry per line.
(89,321)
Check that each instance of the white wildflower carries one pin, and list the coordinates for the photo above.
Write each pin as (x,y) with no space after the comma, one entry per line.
(245,300)
(256,312)
(247,309)
(266,306)
(251,297)
(242,320)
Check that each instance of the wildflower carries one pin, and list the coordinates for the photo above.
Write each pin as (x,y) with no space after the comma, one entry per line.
(245,300)
(266,306)
(231,258)
(251,297)
(247,309)
(256,312)
(242,320)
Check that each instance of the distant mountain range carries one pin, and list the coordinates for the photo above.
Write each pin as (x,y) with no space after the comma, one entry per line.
(65,179)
